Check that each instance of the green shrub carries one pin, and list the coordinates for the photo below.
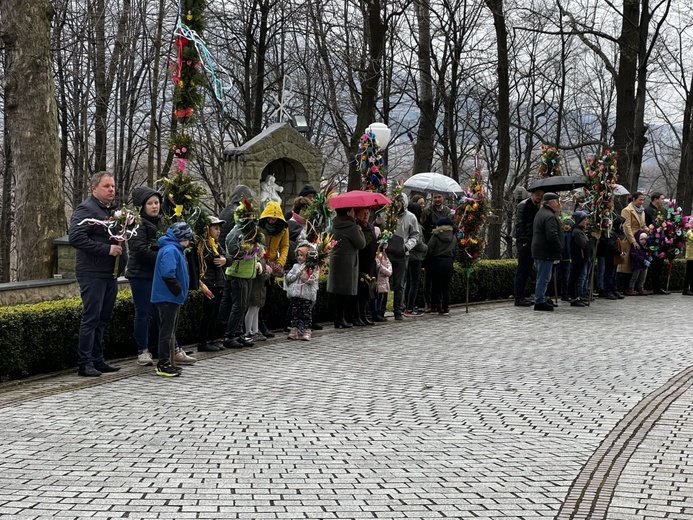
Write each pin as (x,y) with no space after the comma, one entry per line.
(42,337)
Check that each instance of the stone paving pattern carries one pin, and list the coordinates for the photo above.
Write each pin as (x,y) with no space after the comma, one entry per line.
(490,414)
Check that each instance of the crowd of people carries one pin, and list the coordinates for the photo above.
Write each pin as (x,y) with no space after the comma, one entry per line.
(561,249)
(363,269)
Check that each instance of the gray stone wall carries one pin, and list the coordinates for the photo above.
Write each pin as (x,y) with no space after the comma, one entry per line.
(35,291)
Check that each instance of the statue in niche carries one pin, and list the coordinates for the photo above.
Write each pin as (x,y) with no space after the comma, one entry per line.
(270,190)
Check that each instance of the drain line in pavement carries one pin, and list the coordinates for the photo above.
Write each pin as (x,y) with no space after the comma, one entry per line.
(590,494)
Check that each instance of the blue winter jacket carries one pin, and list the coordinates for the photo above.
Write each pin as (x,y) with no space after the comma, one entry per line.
(171,265)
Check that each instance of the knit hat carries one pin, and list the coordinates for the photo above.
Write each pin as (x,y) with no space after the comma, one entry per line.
(578,217)
(182,231)
(549,195)
(638,234)
(307,190)
(444,221)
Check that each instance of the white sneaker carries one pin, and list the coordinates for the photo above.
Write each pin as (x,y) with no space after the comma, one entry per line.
(145,359)
(181,358)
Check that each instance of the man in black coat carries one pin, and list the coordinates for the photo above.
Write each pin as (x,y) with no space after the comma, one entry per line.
(547,243)
(524,222)
(96,258)
(652,212)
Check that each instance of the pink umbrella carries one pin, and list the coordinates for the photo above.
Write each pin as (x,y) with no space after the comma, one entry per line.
(358,199)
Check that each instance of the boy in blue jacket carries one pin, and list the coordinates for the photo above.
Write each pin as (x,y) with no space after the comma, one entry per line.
(170,289)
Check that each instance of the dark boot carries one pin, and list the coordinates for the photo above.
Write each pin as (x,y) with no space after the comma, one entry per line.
(377,317)
(262,327)
(353,304)
(364,317)
(339,321)
(362,305)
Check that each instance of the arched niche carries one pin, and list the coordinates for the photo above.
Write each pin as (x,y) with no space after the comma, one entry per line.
(280,151)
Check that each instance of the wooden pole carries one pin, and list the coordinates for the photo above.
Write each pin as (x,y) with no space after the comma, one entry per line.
(671,265)
(466,305)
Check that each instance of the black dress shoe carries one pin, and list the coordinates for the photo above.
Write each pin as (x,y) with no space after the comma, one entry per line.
(207,347)
(399,317)
(316,326)
(660,291)
(105,367)
(246,341)
(365,320)
(218,343)
(358,323)
(232,343)
(88,371)
(379,319)
(544,306)
(577,303)
(523,303)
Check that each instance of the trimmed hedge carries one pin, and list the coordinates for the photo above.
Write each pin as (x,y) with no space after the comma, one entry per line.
(42,337)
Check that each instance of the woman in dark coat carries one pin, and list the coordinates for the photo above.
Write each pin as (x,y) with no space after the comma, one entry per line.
(343,277)
(442,248)
(140,269)
(368,274)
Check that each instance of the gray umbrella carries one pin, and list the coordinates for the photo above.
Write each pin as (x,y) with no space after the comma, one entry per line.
(557,183)
(432,182)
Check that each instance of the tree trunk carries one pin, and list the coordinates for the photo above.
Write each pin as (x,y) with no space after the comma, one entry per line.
(684,184)
(425,136)
(258,102)
(624,137)
(104,76)
(32,122)
(500,174)
(6,211)
(103,95)
(639,127)
(376,33)
(154,99)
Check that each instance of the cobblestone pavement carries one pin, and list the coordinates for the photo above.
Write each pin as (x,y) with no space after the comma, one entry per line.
(491,414)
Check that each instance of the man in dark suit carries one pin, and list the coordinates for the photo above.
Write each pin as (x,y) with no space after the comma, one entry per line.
(547,244)
(96,259)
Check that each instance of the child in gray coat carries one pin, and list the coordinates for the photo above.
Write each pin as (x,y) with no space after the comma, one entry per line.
(301,284)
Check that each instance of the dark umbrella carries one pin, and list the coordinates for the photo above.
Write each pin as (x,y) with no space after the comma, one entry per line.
(557,183)
(358,199)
